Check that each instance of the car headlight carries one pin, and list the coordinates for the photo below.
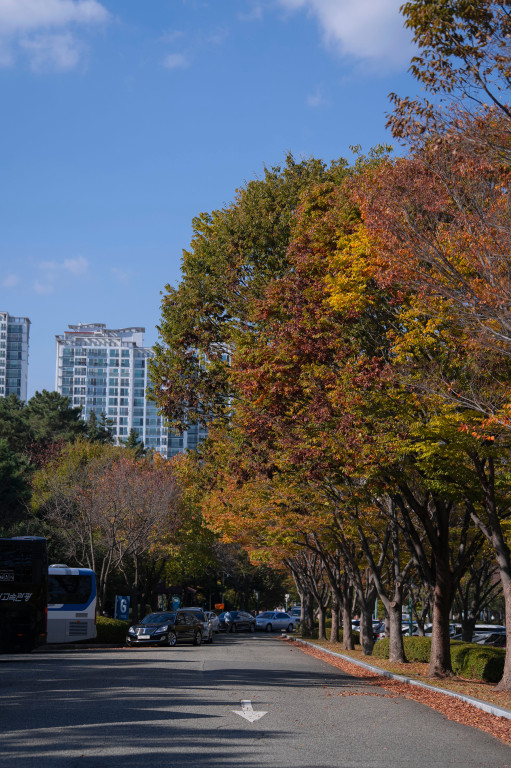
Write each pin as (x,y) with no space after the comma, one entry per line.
(160,630)
(131,631)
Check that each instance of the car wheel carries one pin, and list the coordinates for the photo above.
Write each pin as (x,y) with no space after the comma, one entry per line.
(171,639)
(197,638)
(233,628)
(290,628)
(252,627)
(269,627)
(210,638)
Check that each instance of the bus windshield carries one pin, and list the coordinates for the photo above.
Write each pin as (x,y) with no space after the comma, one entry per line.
(67,589)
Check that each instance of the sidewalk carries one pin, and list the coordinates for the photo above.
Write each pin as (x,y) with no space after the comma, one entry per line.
(490,716)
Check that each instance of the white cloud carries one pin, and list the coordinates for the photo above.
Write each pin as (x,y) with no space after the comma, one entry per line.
(219,36)
(10,281)
(29,15)
(316,99)
(52,52)
(43,288)
(172,36)
(254,14)
(44,31)
(176,61)
(121,275)
(77,266)
(369,30)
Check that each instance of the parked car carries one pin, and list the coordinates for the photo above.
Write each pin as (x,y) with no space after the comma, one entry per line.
(232,621)
(296,612)
(378,626)
(267,621)
(211,615)
(166,628)
(497,639)
(207,634)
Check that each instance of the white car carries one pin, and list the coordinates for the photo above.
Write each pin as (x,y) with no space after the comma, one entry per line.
(270,620)
(213,618)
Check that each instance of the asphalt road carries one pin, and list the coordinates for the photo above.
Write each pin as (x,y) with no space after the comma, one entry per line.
(176,707)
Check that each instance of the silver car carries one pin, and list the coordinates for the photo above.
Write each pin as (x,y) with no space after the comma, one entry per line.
(270,620)
(213,618)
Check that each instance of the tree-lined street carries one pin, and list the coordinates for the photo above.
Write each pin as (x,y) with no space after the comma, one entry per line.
(178,707)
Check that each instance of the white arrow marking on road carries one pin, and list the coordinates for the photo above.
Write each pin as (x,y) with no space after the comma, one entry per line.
(247,711)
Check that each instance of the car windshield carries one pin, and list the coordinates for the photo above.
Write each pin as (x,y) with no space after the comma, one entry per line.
(158,618)
(265,615)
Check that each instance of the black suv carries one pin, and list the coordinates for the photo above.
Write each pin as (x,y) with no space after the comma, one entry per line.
(166,628)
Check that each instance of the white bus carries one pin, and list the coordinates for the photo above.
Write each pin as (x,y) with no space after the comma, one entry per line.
(71,604)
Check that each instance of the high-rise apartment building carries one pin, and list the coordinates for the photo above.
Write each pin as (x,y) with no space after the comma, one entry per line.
(105,371)
(14,333)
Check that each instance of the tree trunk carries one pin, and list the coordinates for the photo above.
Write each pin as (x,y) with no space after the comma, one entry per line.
(307,619)
(366,630)
(321,621)
(334,630)
(505,683)
(440,659)
(396,648)
(467,628)
(347,638)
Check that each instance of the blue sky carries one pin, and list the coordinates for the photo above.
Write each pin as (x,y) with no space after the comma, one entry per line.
(123,119)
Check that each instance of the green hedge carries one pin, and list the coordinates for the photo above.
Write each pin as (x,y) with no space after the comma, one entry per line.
(416,648)
(111,630)
(355,635)
(470,660)
(477,662)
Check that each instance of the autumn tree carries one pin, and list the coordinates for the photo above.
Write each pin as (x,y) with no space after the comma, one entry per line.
(463,57)
(233,255)
(106,510)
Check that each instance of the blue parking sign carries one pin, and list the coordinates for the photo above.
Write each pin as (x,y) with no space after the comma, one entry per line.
(122,607)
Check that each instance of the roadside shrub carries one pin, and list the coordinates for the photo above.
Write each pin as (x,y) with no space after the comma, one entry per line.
(416,648)
(381,648)
(111,630)
(477,662)
(470,660)
(355,635)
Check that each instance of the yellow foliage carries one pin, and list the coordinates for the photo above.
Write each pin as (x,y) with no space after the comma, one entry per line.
(351,283)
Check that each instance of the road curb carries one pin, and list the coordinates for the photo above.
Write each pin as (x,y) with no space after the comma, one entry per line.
(492,709)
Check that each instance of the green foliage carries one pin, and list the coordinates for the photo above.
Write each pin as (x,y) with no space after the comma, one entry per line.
(470,660)
(14,486)
(99,430)
(13,422)
(477,662)
(416,648)
(135,444)
(235,252)
(111,630)
(51,418)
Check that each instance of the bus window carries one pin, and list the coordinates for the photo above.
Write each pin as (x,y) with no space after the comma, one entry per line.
(66,590)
